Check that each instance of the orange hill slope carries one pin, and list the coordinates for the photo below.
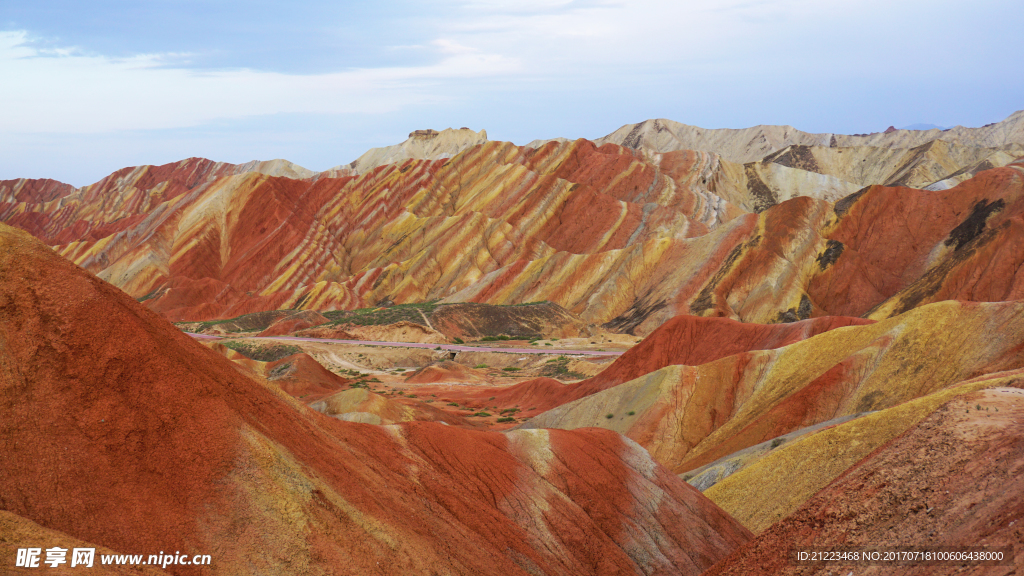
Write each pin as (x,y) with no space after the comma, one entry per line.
(122,431)
(614,237)
(954,479)
(691,416)
(683,340)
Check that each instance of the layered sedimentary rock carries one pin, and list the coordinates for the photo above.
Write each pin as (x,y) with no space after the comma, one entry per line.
(793,470)
(197,248)
(691,416)
(753,144)
(833,173)
(163,427)
(954,479)
(683,340)
(616,237)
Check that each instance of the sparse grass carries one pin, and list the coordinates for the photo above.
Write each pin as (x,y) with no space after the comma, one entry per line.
(263,353)
(559,368)
(480,366)
(381,315)
(149,296)
(511,369)
(501,337)
(481,414)
(506,419)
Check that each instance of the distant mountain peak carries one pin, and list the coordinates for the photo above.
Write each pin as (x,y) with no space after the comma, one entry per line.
(426,144)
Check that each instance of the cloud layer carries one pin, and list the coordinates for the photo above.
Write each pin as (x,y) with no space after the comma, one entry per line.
(350,74)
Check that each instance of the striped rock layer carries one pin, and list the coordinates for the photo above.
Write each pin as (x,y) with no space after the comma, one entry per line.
(951,480)
(121,431)
(690,416)
(613,236)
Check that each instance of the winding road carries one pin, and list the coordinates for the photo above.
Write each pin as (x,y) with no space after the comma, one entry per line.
(449,347)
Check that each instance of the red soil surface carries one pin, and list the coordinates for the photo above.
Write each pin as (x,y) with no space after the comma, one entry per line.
(123,431)
(891,237)
(446,371)
(303,377)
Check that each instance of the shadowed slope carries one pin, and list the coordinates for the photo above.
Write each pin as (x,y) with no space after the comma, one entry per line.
(114,418)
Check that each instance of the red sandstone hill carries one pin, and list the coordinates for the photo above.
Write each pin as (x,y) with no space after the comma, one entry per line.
(952,480)
(614,236)
(121,431)
(683,340)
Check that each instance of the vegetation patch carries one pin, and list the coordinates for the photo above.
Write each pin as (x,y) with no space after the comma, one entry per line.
(380,316)
(559,368)
(261,352)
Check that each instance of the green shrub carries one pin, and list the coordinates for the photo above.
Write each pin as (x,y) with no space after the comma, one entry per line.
(263,353)
(459,341)
(506,419)
(631,413)
(480,366)
(609,416)
(481,414)
(511,369)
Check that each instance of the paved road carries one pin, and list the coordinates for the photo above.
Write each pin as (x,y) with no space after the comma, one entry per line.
(450,347)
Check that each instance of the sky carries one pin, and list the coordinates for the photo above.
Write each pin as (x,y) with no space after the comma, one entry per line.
(87,88)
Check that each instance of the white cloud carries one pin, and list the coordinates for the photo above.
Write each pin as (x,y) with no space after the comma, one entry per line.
(65,90)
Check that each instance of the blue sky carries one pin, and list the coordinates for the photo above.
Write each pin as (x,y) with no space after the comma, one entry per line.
(88,88)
